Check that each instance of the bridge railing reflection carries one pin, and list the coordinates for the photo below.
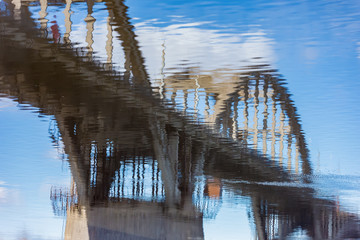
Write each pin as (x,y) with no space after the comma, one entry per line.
(253,106)
(254,109)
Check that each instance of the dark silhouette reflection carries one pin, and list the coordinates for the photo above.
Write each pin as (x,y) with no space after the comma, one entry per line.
(135,160)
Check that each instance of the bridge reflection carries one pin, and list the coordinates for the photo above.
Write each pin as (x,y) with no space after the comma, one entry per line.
(146,166)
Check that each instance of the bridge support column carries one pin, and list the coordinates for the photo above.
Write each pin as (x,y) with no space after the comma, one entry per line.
(166,148)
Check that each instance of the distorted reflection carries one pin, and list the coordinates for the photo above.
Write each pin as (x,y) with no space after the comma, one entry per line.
(158,139)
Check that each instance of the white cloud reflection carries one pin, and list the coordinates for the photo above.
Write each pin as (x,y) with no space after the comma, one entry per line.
(6,103)
(7,195)
(198,45)
(3,194)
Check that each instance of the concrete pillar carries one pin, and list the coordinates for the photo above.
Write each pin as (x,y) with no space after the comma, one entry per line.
(235,118)
(68,22)
(109,41)
(246,113)
(289,152)
(90,20)
(162,82)
(43,13)
(273,127)
(256,106)
(281,141)
(196,102)
(17,11)
(265,130)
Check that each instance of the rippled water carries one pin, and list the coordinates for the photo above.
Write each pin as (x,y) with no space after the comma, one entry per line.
(179,119)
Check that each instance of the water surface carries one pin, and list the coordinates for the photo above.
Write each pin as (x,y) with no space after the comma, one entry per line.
(179,120)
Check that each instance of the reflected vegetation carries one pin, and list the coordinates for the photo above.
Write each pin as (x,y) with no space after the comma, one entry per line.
(153,148)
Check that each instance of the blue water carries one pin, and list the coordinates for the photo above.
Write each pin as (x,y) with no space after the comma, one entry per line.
(201,60)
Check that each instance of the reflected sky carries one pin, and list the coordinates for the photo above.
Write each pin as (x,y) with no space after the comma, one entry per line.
(315,49)
(195,54)
(27,175)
